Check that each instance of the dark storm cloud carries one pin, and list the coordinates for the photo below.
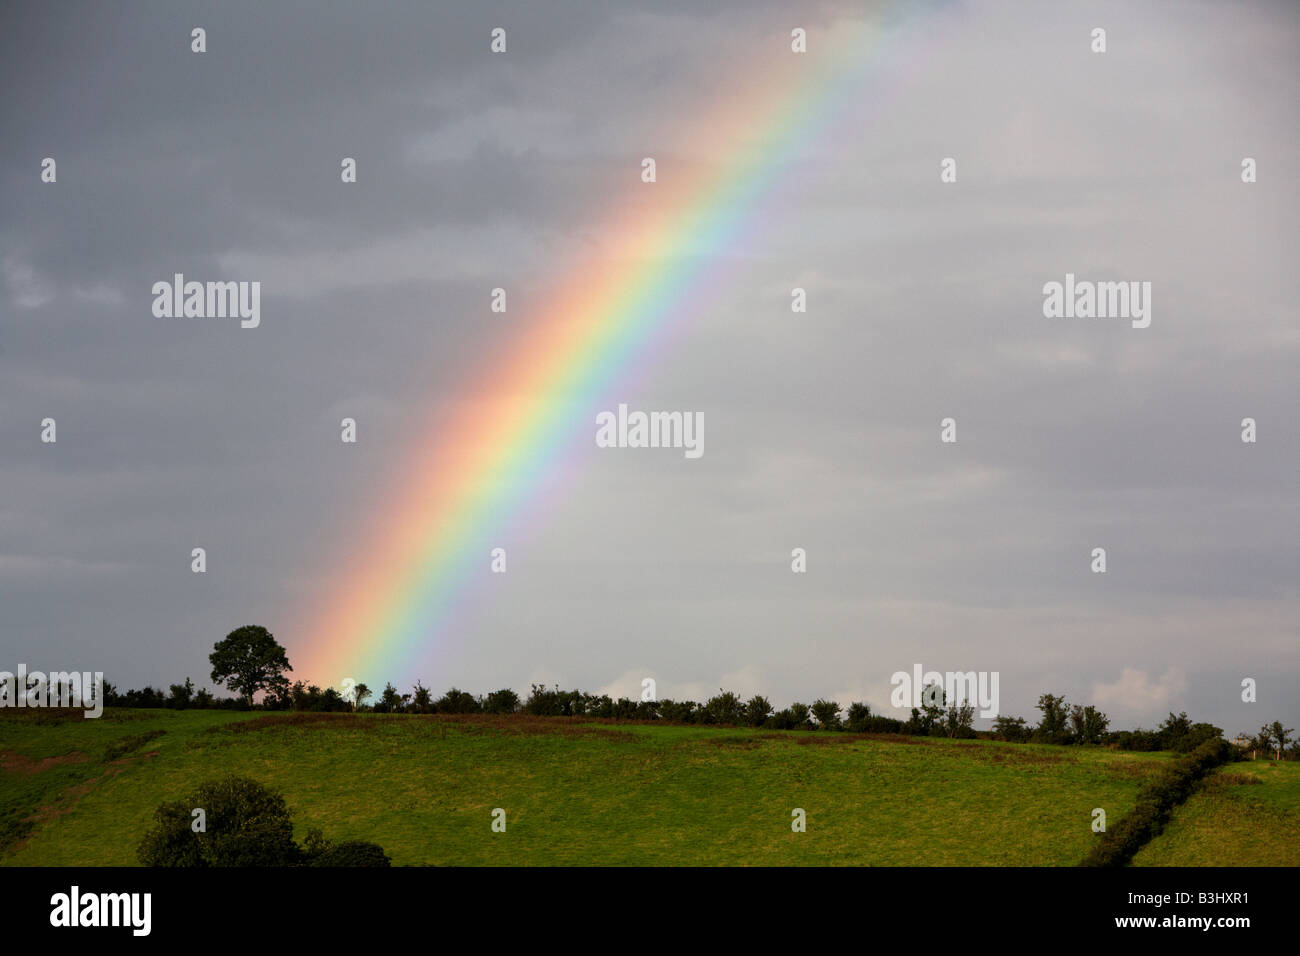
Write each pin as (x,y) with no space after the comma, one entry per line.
(822,429)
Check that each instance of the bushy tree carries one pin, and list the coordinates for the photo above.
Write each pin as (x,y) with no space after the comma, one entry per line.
(929,719)
(246,825)
(795,717)
(625,708)
(182,695)
(757,709)
(146,697)
(543,702)
(317,851)
(879,724)
(1196,735)
(332,701)
(1009,728)
(352,853)
(1088,724)
(1054,727)
(309,697)
(457,701)
(421,699)
(1275,737)
(556,703)
(1173,730)
(504,701)
(249,660)
(390,701)
(724,708)
(299,695)
(959,720)
(826,713)
(360,692)
(857,718)
(677,711)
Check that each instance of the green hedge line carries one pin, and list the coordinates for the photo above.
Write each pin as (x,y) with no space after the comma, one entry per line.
(1155,802)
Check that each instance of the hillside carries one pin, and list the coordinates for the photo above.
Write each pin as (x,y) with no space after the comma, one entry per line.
(77,791)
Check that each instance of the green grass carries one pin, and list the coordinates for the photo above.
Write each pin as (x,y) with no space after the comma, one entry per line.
(51,760)
(1245,814)
(574,793)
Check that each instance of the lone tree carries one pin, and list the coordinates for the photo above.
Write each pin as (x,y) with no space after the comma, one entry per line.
(1278,736)
(960,720)
(827,714)
(249,660)
(1054,727)
(1088,724)
(359,694)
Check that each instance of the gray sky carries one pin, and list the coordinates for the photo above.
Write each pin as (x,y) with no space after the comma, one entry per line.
(822,429)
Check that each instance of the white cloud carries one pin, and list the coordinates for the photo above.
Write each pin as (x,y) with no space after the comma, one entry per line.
(1136,693)
(28,289)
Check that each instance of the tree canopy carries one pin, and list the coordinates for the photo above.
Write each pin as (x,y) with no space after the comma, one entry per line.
(249,660)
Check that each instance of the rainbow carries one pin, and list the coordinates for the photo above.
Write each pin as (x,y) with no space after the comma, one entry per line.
(473,476)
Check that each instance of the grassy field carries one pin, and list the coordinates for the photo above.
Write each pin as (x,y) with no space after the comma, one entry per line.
(1247,814)
(76,791)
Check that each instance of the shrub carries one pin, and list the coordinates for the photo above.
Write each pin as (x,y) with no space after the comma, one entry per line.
(1013,729)
(877,724)
(757,710)
(1088,724)
(350,853)
(827,714)
(246,825)
(1054,727)
(182,695)
(623,709)
(457,701)
(311,698)
(958,721)
(1155,802)
(421,699)
(1173,730)
(1143,741)
(1196,735)
(678,711)
(724,708)
(542,702)
(795,717)
(391,702)
(171,843)
(504,701)
(858,717)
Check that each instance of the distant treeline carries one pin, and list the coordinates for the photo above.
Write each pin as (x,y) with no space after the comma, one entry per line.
(1060,723)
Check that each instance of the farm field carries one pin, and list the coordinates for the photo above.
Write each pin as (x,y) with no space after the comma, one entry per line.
(1246,814)
(83,792)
